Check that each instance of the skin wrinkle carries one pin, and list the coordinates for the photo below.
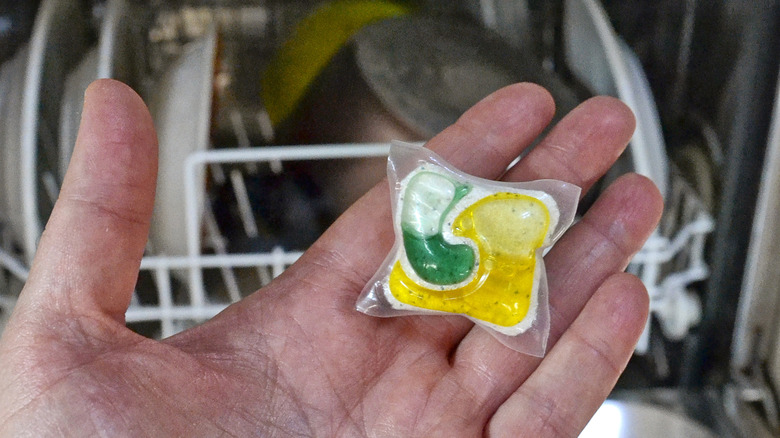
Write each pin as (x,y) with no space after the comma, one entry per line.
(171,404)
(375,383)
(371,384)
(39,403)
(232,408)
(90,346)
(208,375)
(234,411)
(558,326)
(84,186)
(116,408)
(141,378)
(460,142)
(548,421)
(50,386)
(345,406)
(462,395)
(558,155)
(328,260)
(124,214)
(292,395)
(491,154)
(479,399)
(122,170)
(537,116)
(67,284)
(621,293)
(616,237)
(334,263)
(488,155)
(595,123)
(435,383)
(598,351)
(392,362)
(280,354)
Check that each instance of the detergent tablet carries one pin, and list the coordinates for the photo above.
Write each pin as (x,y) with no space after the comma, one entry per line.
(471,247)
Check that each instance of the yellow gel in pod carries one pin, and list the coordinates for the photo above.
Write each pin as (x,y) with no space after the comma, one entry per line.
(507,230)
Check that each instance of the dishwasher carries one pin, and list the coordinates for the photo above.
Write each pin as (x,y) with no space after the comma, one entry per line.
(273,116)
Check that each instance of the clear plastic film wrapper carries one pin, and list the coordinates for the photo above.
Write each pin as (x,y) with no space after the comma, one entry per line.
(470,246)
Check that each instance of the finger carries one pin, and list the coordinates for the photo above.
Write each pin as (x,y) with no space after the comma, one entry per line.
(482,142)
(574,379)
(88,257)
(582,146)
(579,149)
(600,245)
(489,136)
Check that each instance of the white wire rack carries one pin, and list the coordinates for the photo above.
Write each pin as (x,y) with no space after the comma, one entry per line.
(672,260)
(201,304)
(667,264)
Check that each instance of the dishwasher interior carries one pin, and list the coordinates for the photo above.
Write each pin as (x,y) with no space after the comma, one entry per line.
(273,116)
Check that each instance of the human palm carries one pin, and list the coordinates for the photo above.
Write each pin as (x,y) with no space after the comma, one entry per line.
(295,358)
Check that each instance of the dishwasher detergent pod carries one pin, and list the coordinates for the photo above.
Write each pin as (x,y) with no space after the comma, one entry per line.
(470,246)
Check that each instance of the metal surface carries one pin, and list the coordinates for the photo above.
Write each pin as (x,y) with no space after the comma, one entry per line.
(734,67)
(624,419)
(10,111)
(743,414)
(756,339)
(115,56)
(757,313)
(428,71)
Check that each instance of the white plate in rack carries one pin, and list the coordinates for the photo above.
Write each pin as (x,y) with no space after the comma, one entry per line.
(72,102)
(6,74)
(10,113)
(113,57)
(59,38)
(180,103)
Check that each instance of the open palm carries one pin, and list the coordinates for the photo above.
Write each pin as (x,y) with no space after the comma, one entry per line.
(295,358)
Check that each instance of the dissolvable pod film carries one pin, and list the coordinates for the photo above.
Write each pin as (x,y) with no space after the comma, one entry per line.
(470,246)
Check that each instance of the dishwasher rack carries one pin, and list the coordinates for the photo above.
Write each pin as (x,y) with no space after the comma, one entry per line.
(654,264)
(177,291)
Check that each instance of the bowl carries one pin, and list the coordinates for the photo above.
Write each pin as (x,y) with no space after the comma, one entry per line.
(405,78)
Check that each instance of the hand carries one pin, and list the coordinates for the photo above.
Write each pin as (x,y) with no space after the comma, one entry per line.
(295,358)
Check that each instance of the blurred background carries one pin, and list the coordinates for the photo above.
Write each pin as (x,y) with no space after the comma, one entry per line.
(274,115)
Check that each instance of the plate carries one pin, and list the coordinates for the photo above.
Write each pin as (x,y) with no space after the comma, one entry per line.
(6,71)
(180,103)
(619,419)
(648,145)
(111,58)
(72,102)
(116,48)
(601,61)
(59,38)
(10,112)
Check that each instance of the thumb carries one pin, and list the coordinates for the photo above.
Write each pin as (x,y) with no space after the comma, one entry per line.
(88,257)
